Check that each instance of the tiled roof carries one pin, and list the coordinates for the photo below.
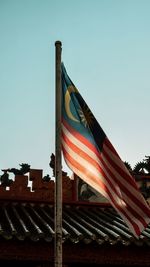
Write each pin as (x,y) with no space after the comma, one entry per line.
(81,223)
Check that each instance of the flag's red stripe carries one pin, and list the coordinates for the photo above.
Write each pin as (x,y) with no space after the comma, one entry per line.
(83,170)
(81,138)
(124,194)
(124,190)
(81,152)
(121,173)
(121,169)
(129,180)
(136,198)
(108,143)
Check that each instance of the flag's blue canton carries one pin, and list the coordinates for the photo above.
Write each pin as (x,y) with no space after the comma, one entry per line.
(90,129)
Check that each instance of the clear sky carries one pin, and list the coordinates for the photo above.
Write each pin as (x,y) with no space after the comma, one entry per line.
(106,51)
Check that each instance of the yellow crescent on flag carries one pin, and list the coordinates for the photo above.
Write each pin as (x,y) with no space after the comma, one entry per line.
(69,90)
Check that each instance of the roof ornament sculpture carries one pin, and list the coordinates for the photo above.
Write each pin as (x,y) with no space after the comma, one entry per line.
(143,167)
(52,165)
(4,178)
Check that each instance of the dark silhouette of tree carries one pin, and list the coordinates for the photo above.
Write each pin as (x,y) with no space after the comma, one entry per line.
(128,166)
(46,178)
(23,170)
(147,161)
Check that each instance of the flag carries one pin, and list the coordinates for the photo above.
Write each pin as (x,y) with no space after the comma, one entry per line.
(89,154)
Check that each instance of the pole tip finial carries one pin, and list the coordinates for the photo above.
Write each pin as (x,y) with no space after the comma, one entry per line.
(58,43)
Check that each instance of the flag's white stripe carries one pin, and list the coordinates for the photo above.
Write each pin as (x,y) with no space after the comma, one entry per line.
(91,183)
(90,169)
(120,178)
(127,199)
(116,159)
(79,144)
(98,176)
(137,194)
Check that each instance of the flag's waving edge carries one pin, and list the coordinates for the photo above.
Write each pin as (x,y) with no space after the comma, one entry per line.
(89,154)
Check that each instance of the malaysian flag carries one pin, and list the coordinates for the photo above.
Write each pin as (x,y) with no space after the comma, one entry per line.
(90,155)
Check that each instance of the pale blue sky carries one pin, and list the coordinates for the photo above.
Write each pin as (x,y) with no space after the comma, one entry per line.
(106,51)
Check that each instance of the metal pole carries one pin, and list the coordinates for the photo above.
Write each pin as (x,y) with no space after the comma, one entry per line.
(58,171)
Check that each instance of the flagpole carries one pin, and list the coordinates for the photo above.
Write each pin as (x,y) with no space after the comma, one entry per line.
(58,171)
